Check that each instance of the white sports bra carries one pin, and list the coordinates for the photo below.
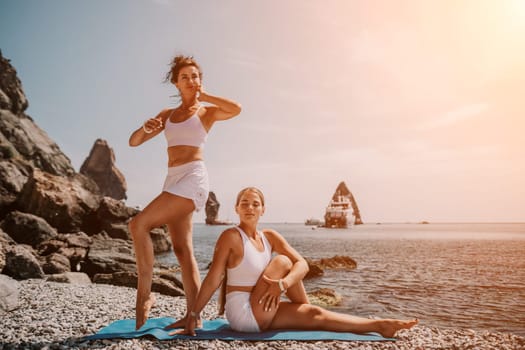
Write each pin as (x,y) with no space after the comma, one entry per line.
(190,132)
(253,262)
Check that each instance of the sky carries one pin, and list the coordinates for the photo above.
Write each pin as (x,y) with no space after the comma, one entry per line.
(418,106)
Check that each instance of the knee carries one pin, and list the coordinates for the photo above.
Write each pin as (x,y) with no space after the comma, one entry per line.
(283,261)
(182,251)
(137,226)
(315,312)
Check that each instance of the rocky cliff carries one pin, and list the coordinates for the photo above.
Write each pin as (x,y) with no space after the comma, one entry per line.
(54,219)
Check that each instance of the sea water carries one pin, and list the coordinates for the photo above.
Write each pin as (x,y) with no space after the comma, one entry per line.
(468,276)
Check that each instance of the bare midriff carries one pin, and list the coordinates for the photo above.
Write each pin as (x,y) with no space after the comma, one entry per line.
(178,155)
(238,289)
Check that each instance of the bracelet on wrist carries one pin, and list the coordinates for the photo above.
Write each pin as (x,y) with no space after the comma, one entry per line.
(193,314)
(281,285)
(146,130)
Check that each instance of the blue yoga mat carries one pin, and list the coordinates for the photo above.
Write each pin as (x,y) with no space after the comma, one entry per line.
(220,329)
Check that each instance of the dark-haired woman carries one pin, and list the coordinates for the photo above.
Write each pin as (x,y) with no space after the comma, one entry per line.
(186,188)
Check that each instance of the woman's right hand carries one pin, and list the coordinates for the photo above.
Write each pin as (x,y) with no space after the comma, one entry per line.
(152,124)
(189,328)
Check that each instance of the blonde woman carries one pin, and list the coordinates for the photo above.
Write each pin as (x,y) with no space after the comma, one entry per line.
(255,282)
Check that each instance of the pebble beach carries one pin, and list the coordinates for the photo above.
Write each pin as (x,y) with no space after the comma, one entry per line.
(58,315)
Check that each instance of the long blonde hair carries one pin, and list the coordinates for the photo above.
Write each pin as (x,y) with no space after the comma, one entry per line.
(222,292)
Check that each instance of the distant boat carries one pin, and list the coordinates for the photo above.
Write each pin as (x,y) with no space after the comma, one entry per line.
(342,211)
(337,212)
(313,222)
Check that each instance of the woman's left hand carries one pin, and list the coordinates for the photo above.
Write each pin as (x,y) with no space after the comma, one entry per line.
(272,295)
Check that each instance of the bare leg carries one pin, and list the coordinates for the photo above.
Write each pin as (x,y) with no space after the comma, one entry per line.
(182,240)
(302,315)
(164,208)
(278,267)
(297,294)
(311,317)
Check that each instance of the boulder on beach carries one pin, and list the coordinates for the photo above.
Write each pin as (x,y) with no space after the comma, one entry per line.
(27,228)
(8,294)
(22,263)
(70,277)
(129,279)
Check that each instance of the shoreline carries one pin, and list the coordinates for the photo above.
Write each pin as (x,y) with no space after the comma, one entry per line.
(57,315)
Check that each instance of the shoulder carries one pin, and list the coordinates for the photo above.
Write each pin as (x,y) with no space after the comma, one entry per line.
(230,236)
(165,113)
(273,236)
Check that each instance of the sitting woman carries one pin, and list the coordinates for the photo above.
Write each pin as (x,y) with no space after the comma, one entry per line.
(255,281)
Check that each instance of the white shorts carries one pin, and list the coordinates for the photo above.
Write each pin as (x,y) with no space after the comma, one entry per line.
(190,181)
(239,312)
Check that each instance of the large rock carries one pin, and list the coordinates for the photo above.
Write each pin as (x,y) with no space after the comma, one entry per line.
(108,255)
(23,145)
(338,262)
(64,202)
(70,277)
(314,269)
(112,216)
(8,294)
(33,144)
(74,247)
(212,211)
(56,263)
(21,263)
(212,208)
(13,175)
(341,199)
(325,297)
(317,267)
(161,241)
(27,228)
(129,279)
(100,167)
(20,135)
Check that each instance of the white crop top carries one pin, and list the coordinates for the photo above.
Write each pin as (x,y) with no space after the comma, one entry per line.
(190,132)
(253,262)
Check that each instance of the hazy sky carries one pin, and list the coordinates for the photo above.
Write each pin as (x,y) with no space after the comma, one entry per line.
(419,106)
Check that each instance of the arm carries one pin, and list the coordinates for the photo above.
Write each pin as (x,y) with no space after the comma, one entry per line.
(151,128)
(223,108)
(300,266)
(212,280)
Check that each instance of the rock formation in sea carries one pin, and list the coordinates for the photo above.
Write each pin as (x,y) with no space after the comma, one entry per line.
(212,211)
(339,262)
(55,221)
(100,167)
(338,212)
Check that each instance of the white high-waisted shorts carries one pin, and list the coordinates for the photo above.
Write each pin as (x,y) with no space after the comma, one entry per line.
(190,181)
(239,312)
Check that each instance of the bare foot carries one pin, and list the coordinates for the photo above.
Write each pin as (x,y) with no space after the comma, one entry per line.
(142,310)
(182,323)
(389,327)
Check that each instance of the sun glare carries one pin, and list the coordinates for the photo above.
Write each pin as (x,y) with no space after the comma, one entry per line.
(515,13)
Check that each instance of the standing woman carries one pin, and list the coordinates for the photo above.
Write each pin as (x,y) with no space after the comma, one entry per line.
(186,187)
